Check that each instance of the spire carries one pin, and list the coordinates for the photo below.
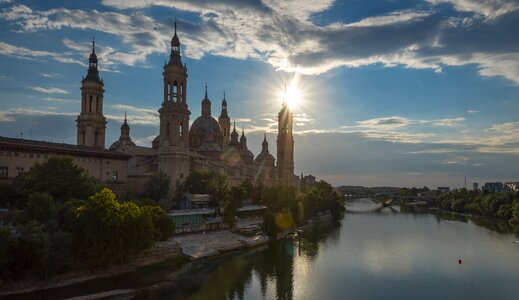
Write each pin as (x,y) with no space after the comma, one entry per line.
(224,114)
(206,105)
(125,116)
(243,139)
(174,57)
(93,73)
(234,136)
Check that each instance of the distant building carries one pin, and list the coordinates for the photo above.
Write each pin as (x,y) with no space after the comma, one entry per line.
(444,189)
(512,186)
(306,181)
(493,187)
(475,186)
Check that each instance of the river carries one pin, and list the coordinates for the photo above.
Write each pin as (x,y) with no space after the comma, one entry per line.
(370,254)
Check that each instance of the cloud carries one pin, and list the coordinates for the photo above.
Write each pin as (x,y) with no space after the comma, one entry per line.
(29,54)
(473,111)
(49,90)
(136,115)
(49,75)
(59,100)
(425,39)
(489,8)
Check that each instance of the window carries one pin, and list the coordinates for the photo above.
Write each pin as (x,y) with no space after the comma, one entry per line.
(3,172)
(16,154)
(1,153)
(91,102)
(114,176)
(31,155)
(181,175)
(19,171)
(8,154)
(175,91)
(38,156)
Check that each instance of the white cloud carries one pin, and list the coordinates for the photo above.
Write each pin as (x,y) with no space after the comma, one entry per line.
(488,8)
(49,75)
(49,90)
(471,111)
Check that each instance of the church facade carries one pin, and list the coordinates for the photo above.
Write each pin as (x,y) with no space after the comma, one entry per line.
(209,144)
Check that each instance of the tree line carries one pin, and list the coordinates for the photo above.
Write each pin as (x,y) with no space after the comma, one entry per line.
(503,205)
(59,216)
(286,206)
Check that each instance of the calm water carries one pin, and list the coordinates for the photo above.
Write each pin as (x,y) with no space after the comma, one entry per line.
(382,254)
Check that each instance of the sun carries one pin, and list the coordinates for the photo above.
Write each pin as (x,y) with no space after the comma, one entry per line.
(292,94)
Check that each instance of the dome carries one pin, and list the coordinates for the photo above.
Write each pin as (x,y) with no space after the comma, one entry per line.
(205,128)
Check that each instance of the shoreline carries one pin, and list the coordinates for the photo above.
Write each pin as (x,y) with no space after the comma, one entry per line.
(163,253)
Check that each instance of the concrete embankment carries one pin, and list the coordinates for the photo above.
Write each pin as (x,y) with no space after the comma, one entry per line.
(200,245)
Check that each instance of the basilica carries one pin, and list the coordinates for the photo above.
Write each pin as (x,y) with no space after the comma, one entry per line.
(210,144)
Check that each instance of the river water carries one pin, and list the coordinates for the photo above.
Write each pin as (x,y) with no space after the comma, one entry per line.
(371,254)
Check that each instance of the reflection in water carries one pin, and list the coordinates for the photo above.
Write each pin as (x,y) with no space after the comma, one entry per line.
(378,254)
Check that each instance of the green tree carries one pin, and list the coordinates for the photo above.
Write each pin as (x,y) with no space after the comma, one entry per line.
(233,204)
(219,190)
(157,187)
(107,231)
(198,182)
(59,177)
(42,207)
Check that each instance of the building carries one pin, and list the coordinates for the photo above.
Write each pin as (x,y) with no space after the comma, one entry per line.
(475,186)
(176,151)
(512,186)
(18,155)
(306,181)
(444,189)
(493,187)
(209,144)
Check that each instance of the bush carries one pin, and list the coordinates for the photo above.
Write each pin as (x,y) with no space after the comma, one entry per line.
(41,207)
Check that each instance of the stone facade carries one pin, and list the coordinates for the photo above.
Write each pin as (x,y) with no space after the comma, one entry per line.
(209,144)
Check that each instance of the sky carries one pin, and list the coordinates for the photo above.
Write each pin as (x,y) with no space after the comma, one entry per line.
(394,93)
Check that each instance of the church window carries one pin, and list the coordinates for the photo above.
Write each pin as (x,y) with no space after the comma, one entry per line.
(3,172)
(19,171)
(169,91)
(181,130)
(182,92)
(95,138)
(175,91)
(97,104)
(91,102)
(167,130)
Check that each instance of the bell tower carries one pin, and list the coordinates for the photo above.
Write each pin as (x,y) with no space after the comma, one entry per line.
(91,123)
(225,122)
(174,114)
(285,147)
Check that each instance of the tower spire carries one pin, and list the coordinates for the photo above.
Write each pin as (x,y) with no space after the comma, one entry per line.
(125,116)
(93,44)
(206,90)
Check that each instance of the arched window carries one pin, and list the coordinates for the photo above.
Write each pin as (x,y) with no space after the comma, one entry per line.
(91,101)
(97,104)
(182,92)
(175,91)
(167,130)
(169,91)
(181,130)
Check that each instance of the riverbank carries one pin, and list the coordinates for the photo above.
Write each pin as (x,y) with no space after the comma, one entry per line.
(174,251)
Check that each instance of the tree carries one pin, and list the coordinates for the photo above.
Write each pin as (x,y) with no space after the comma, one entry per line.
(198,182)
(233,204)
(219,190)
(157,187)
(59,177)
(42,207)
(107,231)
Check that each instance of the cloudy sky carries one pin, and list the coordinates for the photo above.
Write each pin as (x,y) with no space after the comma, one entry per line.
(402,93)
